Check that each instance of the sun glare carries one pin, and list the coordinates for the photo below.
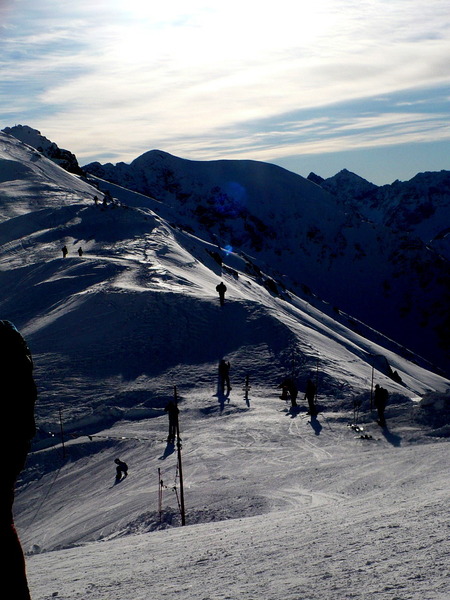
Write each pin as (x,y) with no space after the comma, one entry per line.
(206,32)
(170,10)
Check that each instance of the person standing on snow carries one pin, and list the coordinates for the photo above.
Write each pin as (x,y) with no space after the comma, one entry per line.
(224,376)
(221,289)
(289,390)
(173,411)
(18,394)
(310,395)
(381,398)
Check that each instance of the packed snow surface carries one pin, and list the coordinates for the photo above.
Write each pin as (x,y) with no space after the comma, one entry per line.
(279,505)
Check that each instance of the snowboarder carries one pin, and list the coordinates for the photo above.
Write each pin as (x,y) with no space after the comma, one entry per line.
(310,395)
(381,398)
(173,411)
(221,289)
(64,251)
(289,390)
(121,470)
(18,393)
(224,376)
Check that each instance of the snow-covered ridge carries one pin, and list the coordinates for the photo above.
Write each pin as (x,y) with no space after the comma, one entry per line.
(335,239)
(64,158)
(279,505)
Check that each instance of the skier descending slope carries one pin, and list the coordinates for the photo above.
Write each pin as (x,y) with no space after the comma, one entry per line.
(18,395)
(121,470)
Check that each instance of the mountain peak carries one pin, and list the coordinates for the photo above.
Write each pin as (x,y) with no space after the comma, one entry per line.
(32,137)
(317,179)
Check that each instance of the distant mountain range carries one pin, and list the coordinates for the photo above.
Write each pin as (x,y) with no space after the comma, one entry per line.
(377,256)
(420,207)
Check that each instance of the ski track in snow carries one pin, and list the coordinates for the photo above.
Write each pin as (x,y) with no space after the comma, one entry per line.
(279,506)
(320,547)
(341,517)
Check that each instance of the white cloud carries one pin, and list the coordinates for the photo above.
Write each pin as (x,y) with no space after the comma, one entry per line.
(127,75)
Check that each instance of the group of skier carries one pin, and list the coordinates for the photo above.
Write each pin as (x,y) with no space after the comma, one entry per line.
(16,371)
(65,251)
(290,392)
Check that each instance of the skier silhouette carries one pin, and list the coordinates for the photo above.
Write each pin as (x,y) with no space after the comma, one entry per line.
(64,251)
(121,470)
(310,394)
(18,392)
(289,390)
(173,411)
(221,289)
(381,398)
(224,376)
(80,251)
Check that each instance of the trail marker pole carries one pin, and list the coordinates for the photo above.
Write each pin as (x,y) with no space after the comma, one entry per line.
(180,467)
(246,388)
(180,470)
(317,381)
(160,494)
(62,435)
(371,390)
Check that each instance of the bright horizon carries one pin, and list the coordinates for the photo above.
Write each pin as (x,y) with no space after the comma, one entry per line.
(310,87)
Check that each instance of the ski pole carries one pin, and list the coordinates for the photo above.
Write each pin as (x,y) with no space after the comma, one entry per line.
(160,493)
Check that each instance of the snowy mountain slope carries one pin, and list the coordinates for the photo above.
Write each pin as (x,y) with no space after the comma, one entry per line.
(385,278)
(157,284)
(308,505)
(32,137)
(420,206)
(26,176)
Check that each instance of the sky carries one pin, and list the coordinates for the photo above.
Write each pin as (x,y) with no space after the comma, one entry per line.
(310,86)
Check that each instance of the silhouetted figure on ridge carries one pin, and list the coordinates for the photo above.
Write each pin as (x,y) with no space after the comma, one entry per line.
(221,289)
